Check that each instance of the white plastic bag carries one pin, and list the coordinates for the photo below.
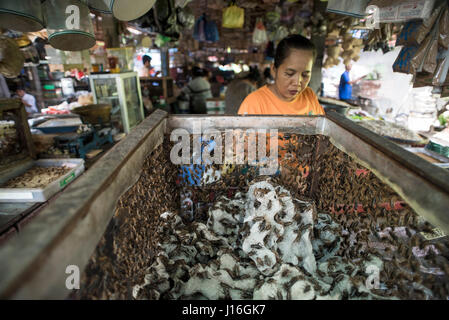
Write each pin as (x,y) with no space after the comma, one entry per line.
(260,34)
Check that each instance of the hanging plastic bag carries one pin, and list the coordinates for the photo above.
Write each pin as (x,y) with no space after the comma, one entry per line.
(199,32)
(185,18)
(274,17)
(280,33)
(403,61)
(260,34)
(211,31)
(161,40)
(425,59)
(233,17)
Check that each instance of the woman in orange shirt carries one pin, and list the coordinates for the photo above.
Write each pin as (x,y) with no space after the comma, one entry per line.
(290,94)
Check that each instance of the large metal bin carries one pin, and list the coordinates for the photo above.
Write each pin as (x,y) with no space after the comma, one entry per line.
(69,230)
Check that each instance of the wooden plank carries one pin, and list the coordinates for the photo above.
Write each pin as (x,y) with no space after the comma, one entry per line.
(93,153)
(9,104)
(290,124)
(68,230)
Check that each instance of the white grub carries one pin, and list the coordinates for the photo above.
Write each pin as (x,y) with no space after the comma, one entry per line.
(136,290)
(302,290)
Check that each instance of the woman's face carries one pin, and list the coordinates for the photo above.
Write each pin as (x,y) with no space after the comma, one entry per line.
(293,75)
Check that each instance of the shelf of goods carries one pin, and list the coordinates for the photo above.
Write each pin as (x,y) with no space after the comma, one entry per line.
(122,92)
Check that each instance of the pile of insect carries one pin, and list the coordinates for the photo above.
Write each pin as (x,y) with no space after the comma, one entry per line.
(249,207)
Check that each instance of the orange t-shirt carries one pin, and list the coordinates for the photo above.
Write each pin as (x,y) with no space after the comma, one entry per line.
(263,101)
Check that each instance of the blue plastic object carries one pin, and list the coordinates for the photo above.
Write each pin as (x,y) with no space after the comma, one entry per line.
(193,174)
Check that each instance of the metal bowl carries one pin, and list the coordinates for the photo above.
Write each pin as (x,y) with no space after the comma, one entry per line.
(94,113)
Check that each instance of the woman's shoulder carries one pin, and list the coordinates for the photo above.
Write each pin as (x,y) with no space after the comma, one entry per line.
(253,103)
(258,94)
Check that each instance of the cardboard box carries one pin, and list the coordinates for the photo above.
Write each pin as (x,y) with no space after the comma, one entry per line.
(403,10)
(355,8)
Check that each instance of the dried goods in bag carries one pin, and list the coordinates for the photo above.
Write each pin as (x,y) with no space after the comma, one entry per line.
(403,61)
(441,70)
(414,32)
(425,58)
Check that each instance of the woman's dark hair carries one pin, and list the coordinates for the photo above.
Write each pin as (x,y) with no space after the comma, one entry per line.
(294,41)
(146,58)
(254,75)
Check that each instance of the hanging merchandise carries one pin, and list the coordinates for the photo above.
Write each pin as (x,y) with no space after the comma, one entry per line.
(199,32)
(123,10)
(163,19)
(333,52)
(185,18)
(205,30)
(425,59)
(11,59)
(414,32)
(442,69)
(274,17)
(403,63)
(23,15)
(260,34)
(279,34)
(233,17)
(161,40)
(146,42)
(211,31)
(69,25)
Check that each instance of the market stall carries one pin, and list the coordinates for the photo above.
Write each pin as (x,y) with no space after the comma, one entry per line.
(335,171)
(370,163)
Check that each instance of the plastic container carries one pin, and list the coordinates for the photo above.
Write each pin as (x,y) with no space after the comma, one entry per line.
(40,194)
(23,15)
(69,25)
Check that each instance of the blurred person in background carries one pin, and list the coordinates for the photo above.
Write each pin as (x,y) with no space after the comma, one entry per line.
(147,70)
(244,84)
(28,100)
(345,87)
(267,76)
(198,90)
